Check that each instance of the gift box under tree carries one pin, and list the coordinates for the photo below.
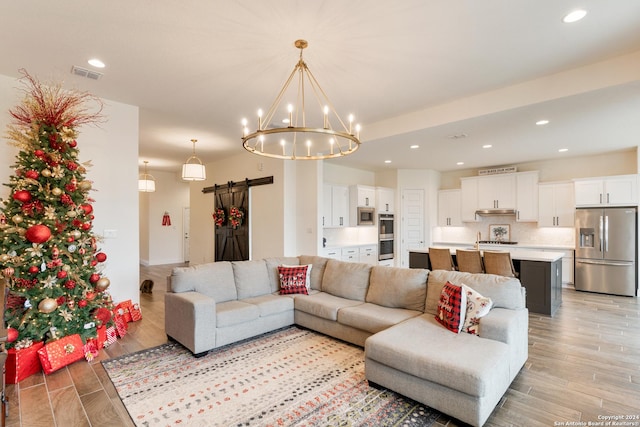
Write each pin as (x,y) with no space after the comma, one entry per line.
(60,353)
(22,363)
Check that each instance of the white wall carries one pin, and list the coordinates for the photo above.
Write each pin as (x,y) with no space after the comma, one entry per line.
(163,244)
(113,150)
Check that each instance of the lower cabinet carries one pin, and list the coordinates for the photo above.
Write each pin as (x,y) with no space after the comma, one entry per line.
(543,281)
(369,254)
(366,254)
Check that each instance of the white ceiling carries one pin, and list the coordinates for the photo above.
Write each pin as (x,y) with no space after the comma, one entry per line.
(412,72)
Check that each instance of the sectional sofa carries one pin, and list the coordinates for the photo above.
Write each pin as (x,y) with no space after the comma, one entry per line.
(389,311)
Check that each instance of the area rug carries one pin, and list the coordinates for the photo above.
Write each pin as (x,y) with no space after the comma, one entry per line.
(290,377)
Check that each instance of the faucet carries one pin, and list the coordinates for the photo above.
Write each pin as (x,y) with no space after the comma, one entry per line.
(478,238)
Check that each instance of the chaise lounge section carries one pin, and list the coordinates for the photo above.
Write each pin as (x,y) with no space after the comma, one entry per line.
(389,311)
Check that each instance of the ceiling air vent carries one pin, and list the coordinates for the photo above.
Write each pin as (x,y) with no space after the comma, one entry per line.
(83,72)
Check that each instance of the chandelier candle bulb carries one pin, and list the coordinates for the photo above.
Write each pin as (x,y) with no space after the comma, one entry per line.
(350,123)
(326,117)
(290,109)
(282,143)
(331,142)
(260,119)
(308,148)
(262,143)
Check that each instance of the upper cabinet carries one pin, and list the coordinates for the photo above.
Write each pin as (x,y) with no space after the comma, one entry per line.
(335,209)
(607,191)
(497,192)
(527,196)
(517,191)
(556,205)
(449,208)
(363,196)
(385,200)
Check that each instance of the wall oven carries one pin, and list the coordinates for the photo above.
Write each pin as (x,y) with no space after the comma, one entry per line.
(385,237)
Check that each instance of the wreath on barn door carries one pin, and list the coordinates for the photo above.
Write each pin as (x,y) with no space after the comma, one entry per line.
(235,217)
(219,217)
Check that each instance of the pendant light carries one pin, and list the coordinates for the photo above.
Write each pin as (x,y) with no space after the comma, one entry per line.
(193,169)
(146,183)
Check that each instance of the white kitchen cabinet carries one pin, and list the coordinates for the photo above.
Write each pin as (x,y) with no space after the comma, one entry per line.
(332,253)
(363,196)
(468,199)
(350,254)
(555,205)
(368,254)
(619,190)
(567,267)
(497,192)
(385,200)
(335,209)
(527,196)
(449,208)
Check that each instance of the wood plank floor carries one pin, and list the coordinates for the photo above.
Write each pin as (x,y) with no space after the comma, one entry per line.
(583,363)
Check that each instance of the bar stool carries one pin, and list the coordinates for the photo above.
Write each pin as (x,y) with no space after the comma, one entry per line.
(441,259)
(500,263)
(469,261)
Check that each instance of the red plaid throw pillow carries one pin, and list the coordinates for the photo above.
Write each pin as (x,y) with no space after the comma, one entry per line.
(293,280)
(452,307)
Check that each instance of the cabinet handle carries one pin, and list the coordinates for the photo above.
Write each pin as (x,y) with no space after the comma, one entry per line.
(601,198)
(340,220)
(387,207)
(518,214)
(607,198)
(366,201)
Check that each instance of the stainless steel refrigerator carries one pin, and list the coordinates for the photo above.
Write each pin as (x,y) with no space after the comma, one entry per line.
(606,250)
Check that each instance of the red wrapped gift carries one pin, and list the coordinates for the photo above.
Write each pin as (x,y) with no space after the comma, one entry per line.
(101,337)
(60,353)
(111,336)
(22,363)
(124,309)
(121,326)
(136,313)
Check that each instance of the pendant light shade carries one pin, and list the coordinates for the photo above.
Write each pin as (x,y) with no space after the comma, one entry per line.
(193,169)
(146,183)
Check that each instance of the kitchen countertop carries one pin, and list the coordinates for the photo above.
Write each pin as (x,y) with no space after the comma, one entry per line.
(356,245)
(521,254)
(518,245)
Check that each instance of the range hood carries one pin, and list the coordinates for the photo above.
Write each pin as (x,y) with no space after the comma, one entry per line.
(491,212)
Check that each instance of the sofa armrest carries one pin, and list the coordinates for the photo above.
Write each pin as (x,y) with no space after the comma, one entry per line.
(190,319)
(512,328)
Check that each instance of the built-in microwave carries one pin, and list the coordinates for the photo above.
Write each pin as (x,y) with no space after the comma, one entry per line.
(366,216)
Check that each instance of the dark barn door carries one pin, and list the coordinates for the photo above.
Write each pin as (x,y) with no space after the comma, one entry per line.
(232,243)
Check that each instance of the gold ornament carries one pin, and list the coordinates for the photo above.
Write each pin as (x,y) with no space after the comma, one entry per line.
(72,214)
(17,219)
(4,258)
(76,234)
(56,191)
(85,185)
(47,305)
(102,284)
(66,268)
(46,173)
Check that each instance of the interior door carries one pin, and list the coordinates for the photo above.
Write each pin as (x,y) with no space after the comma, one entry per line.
(186,218)
(412,223)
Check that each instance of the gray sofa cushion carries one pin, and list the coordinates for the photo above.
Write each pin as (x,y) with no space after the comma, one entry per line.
(271,304)
(423,348)
(317,271)
(374,318)
(214,279)
(323,305)
(272,269)
(346,279)
(252,278)
(235,312)
(398,287)
(505,292)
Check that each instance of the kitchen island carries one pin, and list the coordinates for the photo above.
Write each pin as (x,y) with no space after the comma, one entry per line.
(540,272)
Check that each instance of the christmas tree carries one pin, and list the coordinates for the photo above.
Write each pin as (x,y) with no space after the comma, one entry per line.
(49,255)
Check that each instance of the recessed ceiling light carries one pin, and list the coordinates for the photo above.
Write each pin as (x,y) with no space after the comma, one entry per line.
(542,122)
(487,146)
(95,62)
(562,150)
(415,146)
(460,163)
(574,16)
(387,161)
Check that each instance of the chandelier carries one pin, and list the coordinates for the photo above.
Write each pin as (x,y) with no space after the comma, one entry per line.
(193,169)
(302,136)
(146,183)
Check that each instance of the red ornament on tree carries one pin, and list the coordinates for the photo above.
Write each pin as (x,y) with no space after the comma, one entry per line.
(22,196)
(12,334)
(61,274)
(34,269)
(87,209)
(33,174)
(94,278)
(82,303)
(38,233)
(101,257)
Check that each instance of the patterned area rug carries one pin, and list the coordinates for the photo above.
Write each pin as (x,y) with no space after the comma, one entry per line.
(290,377)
